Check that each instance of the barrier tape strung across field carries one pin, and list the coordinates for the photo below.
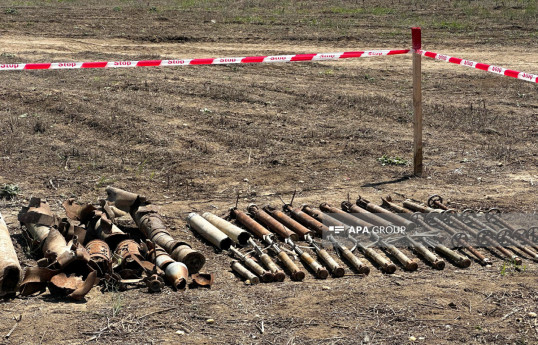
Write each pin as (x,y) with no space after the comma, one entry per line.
(485,67)
(216,61)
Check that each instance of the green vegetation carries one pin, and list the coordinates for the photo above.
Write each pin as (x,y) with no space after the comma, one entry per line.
(9,191)
(511,267)
(386,160)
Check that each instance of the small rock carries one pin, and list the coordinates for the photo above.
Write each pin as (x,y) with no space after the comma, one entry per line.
(180,332)
(325,288)
(213,21)
(245,179)
(500,164)
(185,125)
(532,315)
(301,181)
(411,338)
(210,321)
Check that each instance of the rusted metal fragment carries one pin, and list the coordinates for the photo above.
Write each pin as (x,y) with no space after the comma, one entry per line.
(295,273)
(35,280)
(278,274)
(72,209)
(72,286)
(176,273)
(152,226)
(203,279)
(70,228)
(336,270)
(124,200)
(154,282)
(37,219)
(100,226)
(100,256)
(10,268)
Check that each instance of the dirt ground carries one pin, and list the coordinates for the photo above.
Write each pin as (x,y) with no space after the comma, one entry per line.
(192,138)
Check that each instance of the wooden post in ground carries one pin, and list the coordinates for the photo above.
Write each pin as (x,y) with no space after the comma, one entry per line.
(417,103)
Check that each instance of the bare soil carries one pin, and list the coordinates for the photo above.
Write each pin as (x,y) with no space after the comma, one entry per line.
(191,138)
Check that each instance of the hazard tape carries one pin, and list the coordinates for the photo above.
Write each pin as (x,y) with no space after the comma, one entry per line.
(485,67)
(216,61)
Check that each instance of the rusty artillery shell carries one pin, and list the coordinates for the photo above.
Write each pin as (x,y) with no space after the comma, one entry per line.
(336,270)
(10,268)
(344,216)
(252,265)
(237,234)
(209,231)
(355,261)
(176,273)
(386,265)
(194,260)
(271,223)
(427,254)
(413,206)
(283,218)
(392,217)
(458,259)
(320,271)
(245,273)
(295,273)
(252,225)
(366,215)
(279,276)
(122,199)
(320,216)
(409,265)
(388,204)
(306,220)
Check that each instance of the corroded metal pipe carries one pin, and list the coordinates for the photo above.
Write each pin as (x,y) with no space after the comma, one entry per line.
(324,218)
(336,270)
(359,212)
(10,268)
(278,228)
(124,200)
(278,274)
(426,253)
(350,257)
(306,220)
(237,234)
(253,226)
(290,223)
(176,273)
(413,206)
(394,218)
(389,205)
(265,276)
(209,231)
(100,255)
(320,271)
(491,216)
(250,277)
(344,216)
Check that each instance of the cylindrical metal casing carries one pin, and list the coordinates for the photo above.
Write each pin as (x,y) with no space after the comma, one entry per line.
(283,218)
(244,272)
(177,274)
(409,265)
(237,234)
(272,223)
(279,276)
(307,220)
(319,270)
(345,217)
(336,270)
(209,231)
(193,259)
(295,273)
(10,268)
(252,225)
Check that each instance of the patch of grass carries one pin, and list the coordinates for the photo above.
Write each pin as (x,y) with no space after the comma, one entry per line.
(9,191)
(386,160)
(11,11)
(511,267)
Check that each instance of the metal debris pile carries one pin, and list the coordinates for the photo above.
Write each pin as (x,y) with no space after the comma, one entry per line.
(87,248)
(302,233)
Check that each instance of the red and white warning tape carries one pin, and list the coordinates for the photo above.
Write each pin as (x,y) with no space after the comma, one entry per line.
(485,67)
(216,61)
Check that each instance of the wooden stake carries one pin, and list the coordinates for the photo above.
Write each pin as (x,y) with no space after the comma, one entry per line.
(417,103)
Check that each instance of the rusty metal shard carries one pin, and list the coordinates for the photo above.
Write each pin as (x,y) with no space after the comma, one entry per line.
(72,286)
(203,279)
(35,280)
(122,199)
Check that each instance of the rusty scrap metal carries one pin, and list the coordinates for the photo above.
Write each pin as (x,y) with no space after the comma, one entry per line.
(421,249)
(36,280)
(72,286)
(265,276)
(389,205)
(177,273)
(202,279)
(237,234)
(10,268)
(271,223)
(436,201)
(37,219)
(459,239)
(152,226)
(502,236)
(344,217)
(320,271)
(287,221)
(523,235)
(124,200)
(266,260)
(100,256)
(305,219)
(349,256)
(295,272)
(321,217)
(386,265)
(413,206)
(208,231)
(336,270)
(250,277)
(253,226)
(394,218)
